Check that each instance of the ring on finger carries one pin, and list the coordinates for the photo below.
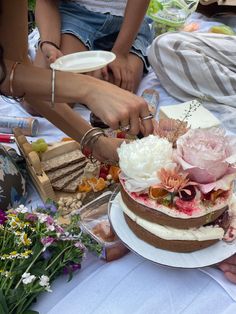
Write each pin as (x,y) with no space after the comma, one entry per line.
(150,116)
(125,128)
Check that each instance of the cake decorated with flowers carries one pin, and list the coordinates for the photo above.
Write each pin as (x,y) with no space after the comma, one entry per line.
(177,189)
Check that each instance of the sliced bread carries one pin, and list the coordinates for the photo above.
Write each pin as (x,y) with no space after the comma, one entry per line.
(73,186)
(57,174)
(62,160)
(61,183)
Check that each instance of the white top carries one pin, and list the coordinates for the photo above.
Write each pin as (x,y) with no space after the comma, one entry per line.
(116,7)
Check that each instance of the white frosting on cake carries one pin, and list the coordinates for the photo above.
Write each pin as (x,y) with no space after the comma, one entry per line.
(169,233)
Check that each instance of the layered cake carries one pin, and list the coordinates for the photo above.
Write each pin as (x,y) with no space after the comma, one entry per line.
(178,195)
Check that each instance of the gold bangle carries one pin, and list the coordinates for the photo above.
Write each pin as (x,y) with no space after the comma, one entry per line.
(11,78)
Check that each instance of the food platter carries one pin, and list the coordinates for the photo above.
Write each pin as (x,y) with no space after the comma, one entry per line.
(205,257)
(85,61)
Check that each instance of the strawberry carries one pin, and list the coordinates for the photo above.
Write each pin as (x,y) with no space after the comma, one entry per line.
(120,134)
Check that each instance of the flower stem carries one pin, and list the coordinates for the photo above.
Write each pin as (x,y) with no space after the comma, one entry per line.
(30,265)
(55,259)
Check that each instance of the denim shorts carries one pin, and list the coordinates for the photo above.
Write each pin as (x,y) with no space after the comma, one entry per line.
(98,31)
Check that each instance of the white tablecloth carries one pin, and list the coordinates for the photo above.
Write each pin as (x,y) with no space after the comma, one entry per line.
(135,285)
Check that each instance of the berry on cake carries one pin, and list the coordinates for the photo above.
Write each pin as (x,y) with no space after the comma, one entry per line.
(177,191)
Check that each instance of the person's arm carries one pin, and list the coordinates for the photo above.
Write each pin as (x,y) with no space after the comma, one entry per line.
(48,21)
(133,17)
(111,104)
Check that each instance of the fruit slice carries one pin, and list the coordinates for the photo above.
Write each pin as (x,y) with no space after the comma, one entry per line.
(156,192)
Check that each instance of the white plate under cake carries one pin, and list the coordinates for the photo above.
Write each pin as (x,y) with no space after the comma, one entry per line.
(208,256)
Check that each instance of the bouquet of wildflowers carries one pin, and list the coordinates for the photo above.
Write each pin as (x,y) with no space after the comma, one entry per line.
(34,250)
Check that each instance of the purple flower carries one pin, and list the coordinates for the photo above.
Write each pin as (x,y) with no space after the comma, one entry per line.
(50,220)
(50,207)
(80,246)
(59,229)
(71,267)
(47,255)
(3,217)
(31,217)
(47,241)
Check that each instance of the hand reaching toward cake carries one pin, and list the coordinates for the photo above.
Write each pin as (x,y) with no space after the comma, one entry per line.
(228,266)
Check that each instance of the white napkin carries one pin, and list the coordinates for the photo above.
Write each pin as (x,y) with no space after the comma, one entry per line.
(219,277)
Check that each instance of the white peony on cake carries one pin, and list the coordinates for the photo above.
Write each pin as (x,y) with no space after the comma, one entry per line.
(177,193)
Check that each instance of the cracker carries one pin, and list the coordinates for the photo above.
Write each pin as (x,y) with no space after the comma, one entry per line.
(61,183)
(62,160)
(73,186)
(57,174)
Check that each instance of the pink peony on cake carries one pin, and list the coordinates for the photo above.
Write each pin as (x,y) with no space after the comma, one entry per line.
(177,193)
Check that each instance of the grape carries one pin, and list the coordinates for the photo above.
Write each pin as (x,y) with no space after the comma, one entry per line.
(40,140)
(35,147)
(40,146)
(43,147)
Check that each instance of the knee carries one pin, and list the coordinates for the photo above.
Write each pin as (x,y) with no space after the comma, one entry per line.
(168,41)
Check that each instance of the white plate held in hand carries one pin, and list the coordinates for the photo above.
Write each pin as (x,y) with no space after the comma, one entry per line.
(84,61)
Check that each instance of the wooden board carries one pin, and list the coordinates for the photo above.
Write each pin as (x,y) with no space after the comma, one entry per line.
(33,163)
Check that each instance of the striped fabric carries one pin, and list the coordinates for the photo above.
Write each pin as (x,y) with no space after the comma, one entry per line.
(114,7)
(220,2)
(198,65)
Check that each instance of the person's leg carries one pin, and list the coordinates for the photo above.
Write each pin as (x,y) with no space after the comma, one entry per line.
(138,60)
(196,65)
(71,44)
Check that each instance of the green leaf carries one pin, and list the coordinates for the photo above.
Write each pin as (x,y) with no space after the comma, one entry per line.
(30,312)
(2,309)
(3,304)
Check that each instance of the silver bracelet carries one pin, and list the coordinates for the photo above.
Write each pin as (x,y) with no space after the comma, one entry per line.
(83,141)
(53,88)
(86,140)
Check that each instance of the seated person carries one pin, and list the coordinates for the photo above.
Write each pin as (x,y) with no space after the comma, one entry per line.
(198,65)
(71,26)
